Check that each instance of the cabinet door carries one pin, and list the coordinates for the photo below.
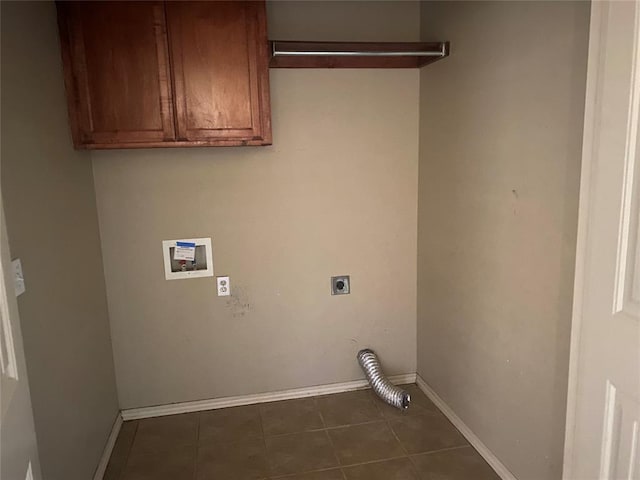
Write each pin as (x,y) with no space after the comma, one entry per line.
(220,67)
(116,61)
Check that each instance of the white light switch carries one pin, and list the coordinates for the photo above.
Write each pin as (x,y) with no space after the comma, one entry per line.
(224,287)
(18,277)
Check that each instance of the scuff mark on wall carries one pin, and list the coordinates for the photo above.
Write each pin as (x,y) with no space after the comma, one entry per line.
(238,302)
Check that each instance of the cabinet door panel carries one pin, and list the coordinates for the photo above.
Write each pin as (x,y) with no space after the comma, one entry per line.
(117,72)
(219,59)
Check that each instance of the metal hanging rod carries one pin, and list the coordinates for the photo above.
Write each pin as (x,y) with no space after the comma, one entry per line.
(353,53)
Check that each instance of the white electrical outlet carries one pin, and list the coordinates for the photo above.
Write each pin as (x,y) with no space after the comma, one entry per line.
(18,277)
(224,287)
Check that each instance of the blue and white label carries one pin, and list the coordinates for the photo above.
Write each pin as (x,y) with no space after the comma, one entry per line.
(185,251)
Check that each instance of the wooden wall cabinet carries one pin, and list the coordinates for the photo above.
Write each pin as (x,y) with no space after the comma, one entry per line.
(166,74)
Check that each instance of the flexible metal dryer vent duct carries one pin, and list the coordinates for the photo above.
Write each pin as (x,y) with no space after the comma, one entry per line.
(394,396)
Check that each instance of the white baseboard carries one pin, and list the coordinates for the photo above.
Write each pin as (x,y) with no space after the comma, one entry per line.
(108,448)
(224,402)
(502,471)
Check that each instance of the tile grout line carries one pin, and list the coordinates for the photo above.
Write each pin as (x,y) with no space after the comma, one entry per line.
(306,472)
(326,432)
(406,453)
(264,441)
(126,458)
(369,462)
(407,456)
(382,418)
(327,428)
(379,460)
(441,450)
(378,406)
(197,447)
(385,420)
(411,456)
(337,427)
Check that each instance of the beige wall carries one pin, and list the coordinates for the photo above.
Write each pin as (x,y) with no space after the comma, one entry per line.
(51,219)
(500,140)
(335,194)
(344,20)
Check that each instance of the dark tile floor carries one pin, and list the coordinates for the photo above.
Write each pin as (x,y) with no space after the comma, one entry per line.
(346,436)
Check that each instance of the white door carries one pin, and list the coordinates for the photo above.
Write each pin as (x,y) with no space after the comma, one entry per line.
(603,414)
